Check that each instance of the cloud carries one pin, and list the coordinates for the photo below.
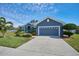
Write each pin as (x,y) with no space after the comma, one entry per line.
(23,13)
(40,7)
(17,19)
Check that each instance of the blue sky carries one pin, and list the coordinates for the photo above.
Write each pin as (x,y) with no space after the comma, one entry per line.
(21,14)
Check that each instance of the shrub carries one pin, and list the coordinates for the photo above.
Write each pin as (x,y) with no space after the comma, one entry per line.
(27,35)
(33,33)
(19,33)
(68,33)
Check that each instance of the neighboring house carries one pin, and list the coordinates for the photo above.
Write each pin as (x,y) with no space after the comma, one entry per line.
(50,27)
(77,31)
(73,31)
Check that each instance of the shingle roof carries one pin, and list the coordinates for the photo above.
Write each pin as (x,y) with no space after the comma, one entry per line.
(45,19)
(54,19)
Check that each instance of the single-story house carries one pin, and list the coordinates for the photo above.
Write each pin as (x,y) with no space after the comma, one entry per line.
(50,27)
(47,27)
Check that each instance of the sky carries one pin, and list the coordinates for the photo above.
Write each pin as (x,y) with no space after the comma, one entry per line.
(22,13)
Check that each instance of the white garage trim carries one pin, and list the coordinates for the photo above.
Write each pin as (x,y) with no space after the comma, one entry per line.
(48,26)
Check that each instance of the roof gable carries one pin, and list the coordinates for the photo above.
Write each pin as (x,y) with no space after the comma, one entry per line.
(52,20)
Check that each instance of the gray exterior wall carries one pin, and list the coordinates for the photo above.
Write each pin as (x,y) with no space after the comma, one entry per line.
(50,23)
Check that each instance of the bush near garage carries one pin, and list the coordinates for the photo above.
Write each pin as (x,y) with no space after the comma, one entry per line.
(33,33)
(27,35)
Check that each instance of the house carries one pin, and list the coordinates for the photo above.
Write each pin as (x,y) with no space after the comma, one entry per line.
(29,27)
(50,27)
(47,27)
(77,30)
(73,31)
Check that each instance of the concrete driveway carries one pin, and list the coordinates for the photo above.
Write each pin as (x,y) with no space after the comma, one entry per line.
(47,45)
(41,46)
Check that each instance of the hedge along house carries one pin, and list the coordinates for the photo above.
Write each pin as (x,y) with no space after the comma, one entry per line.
(50,27)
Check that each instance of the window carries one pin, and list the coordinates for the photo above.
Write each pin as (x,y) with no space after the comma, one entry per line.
(28,27)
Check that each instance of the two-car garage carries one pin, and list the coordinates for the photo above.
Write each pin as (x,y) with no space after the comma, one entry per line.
(49,30)
(49,27)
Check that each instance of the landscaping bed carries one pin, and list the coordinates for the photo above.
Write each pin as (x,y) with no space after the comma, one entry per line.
(73,41)
(10,40)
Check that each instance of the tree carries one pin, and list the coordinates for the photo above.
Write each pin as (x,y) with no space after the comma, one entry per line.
(70,26)
(4,25)
(78,27)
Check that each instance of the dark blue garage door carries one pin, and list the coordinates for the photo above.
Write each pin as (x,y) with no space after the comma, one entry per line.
(49,31)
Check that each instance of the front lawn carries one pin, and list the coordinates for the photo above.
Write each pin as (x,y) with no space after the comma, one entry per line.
(73,41)
(10,40)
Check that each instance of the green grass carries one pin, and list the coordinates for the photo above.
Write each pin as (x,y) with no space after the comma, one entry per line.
(73,41)
(10,40)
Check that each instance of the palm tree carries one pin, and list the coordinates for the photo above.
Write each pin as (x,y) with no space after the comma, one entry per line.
(4,25)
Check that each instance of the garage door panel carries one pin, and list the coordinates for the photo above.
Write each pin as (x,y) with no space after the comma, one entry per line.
(54,31)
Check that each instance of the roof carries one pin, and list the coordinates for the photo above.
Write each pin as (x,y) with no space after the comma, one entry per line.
(54,20)
(35,24)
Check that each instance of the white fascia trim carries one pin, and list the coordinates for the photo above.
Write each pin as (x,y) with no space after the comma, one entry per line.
(48,26)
